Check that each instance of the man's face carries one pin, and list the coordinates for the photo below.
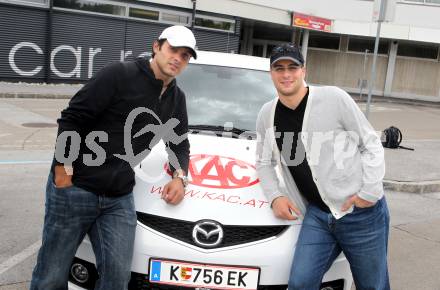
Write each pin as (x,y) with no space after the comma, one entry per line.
(171,61)
(287,76)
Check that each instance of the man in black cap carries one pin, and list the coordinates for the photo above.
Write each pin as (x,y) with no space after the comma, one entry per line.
(332,165)
(93,194)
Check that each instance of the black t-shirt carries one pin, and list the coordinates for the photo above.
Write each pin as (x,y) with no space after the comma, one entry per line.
(289,123)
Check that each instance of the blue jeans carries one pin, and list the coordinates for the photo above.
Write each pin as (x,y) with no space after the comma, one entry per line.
(70,214)
(363,237)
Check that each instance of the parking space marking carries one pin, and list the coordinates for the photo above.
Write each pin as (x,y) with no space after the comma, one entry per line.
(9,162)
(20,257)
(378,108)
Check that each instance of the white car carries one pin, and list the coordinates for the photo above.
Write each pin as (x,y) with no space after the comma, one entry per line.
(223,235)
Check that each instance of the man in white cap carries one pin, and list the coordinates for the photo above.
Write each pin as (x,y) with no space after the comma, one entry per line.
(95,198)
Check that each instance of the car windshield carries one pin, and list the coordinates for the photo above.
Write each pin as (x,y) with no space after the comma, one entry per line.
(216,95)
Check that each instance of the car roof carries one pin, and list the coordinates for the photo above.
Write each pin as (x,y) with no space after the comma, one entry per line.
(231,60)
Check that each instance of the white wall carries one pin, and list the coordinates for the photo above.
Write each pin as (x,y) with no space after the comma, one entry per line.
(358,10)
(412,22)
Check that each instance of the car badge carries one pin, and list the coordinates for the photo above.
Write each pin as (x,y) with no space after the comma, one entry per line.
(207,234)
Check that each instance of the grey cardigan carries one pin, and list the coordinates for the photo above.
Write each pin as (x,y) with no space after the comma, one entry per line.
(344,152)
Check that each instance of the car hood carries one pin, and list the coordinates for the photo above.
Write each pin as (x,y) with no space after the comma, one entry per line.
(223,184)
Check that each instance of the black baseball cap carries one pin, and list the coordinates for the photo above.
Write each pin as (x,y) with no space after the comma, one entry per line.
(287,51)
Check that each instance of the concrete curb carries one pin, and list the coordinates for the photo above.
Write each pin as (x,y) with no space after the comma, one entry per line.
(375,99)
(412,186)
(393,100)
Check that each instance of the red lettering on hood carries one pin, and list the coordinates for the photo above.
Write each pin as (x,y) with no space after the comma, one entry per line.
(219,172)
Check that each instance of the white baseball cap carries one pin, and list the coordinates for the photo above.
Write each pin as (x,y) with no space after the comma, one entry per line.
(180,36)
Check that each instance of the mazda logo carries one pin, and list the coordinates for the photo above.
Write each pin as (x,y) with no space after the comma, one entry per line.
(207,234)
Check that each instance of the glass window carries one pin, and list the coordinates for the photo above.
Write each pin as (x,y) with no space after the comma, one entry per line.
(216,94)
(433,1)
(269,49)
(144,14)
(361,44)
(418,50)
(91,6)
(324,40)
(257,50)
(33,1)
(216,24)
(176,18)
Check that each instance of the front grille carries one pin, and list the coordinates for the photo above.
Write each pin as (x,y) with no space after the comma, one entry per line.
(233,235)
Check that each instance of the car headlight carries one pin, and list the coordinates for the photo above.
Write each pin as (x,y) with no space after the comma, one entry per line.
(79,272)
(333,285)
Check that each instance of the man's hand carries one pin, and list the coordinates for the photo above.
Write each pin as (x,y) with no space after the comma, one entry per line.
(62,178)
(357,202)
(173,192)
(283,208)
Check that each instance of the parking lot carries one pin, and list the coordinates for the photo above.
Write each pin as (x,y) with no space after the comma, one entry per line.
(27,134)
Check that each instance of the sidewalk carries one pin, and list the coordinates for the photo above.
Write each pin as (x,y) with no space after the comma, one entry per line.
(415,171)
(34,90)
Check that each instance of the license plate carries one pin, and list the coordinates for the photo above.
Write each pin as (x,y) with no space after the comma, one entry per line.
(202,275)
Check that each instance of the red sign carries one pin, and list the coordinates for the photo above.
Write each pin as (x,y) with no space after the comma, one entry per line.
(220,172)
(311,22)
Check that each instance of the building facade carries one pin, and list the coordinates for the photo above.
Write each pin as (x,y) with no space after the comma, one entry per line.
(69,40)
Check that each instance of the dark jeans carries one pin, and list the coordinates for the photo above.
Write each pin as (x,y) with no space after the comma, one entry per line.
(70,214)
(363,237)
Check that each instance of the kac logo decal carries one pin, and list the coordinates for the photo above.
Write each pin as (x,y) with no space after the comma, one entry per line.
(220,172)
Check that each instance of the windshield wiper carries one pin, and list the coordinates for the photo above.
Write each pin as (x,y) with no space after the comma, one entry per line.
(226,131)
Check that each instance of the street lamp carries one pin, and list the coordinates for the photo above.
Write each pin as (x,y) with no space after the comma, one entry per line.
(193,20)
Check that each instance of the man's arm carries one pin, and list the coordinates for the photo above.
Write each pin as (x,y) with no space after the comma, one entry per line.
(265,164)
(177,146)
(371,149)
(84,107)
